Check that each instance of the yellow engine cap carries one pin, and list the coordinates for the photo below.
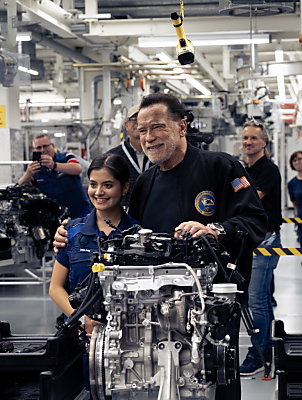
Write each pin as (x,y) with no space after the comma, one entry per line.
(98,268)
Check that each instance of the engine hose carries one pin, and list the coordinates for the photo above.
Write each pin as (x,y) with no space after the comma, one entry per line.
(85,280)
(225,275)
(200,292)
(82,309)
(90,287)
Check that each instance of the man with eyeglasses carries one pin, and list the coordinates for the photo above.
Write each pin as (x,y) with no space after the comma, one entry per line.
(266,177)
(132,151)
(57,176)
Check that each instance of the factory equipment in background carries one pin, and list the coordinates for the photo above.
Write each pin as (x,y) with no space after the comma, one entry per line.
(200,133)
(28,220)
(14,69)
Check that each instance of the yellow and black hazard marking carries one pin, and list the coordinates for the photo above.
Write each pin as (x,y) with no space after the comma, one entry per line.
(280,251)
(292,220)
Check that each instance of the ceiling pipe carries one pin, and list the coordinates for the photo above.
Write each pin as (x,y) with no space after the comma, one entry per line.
(149,10)
(59,48)
(53,10)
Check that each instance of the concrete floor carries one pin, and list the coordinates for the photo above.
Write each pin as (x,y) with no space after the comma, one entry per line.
(29,312)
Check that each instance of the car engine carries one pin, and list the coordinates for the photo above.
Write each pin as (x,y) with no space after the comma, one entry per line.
(28,221)
(167,329)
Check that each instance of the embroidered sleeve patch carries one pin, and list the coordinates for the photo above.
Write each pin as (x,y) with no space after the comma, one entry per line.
(240,183)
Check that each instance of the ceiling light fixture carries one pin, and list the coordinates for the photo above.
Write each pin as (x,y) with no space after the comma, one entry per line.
(204,40)
(24,36)
(117,102)
(199,86)
(28,71)
(95,16)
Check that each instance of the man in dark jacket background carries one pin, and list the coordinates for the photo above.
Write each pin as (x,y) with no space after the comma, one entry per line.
(131,150)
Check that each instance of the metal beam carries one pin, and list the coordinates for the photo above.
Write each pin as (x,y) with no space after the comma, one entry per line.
(205,65)
(49,16)
(161,26)
(59,48)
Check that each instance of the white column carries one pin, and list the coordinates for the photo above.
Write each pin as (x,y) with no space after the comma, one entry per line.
(11,44)
(91,7)
(106,95)
(10,136)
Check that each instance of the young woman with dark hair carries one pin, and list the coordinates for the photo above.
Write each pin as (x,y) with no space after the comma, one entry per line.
(108,183)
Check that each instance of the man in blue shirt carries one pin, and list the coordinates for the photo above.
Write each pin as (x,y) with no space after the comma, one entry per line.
(57,176)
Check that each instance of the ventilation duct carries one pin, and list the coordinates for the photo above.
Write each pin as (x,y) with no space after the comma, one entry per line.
(256,8)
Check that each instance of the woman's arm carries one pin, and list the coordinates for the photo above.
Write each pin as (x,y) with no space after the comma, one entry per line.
(59,295)
(56,289)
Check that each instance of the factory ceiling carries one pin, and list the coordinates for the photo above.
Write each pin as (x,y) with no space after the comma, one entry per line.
(67,32)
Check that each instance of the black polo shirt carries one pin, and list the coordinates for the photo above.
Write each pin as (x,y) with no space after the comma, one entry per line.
(267,179)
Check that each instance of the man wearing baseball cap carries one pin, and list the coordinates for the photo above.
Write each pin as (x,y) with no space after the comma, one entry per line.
(132,151)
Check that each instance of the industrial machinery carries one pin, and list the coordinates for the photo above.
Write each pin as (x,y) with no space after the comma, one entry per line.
(40,367)
(288,362)
(28,220)
(167,330)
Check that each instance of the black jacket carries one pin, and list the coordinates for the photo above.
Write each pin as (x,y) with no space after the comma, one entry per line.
(133,172)
(266,178)
(213,177)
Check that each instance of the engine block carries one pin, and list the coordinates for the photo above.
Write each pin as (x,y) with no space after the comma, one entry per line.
(167,334)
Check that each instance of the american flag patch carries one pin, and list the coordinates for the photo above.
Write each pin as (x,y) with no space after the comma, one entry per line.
(240,183)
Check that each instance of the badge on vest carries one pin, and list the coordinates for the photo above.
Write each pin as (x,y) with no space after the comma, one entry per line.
(205,203)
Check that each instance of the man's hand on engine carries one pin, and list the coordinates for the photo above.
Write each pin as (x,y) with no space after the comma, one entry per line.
(195,228)
(60,238)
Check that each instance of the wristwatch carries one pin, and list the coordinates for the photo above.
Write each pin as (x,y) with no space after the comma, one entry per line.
(54,166)
(218,228)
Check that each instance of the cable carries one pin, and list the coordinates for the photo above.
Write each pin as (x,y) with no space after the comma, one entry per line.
(78,313)
(97,135)
(74,317)
(91,129)
(203,237)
